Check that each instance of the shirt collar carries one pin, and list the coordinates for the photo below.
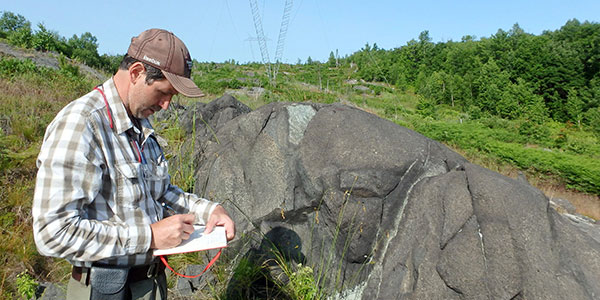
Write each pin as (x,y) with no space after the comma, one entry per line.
(121,119)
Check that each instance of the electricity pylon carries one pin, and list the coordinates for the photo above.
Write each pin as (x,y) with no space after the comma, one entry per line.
(262,41)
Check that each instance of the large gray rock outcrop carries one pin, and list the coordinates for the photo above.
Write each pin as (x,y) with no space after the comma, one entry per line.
(382,212)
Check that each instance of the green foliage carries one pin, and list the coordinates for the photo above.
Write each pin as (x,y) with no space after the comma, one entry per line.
(426,107)
(66,67)
(512,74)
(45,40)
(26,285)
(331,61)
(12,22)
(302,284)
(576,164)
(534,132)
(245,273)
(592,118)
(22,37)
(581,173)
(10,67)
(84,48)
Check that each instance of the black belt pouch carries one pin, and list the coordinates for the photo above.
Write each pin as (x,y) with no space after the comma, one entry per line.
(108,282)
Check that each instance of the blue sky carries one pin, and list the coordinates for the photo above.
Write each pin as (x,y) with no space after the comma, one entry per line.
(218,30)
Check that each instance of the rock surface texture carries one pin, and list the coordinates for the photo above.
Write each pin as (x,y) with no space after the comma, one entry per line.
(382,212)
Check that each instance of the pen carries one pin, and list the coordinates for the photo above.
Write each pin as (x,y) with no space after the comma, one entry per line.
(169,209)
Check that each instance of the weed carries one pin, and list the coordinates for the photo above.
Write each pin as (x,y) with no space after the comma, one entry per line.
(26,285)
(302,284)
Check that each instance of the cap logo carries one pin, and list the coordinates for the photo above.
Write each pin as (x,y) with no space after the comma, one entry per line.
(189,64)
(152,60)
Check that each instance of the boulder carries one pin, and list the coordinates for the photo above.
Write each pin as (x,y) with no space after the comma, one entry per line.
(381,212)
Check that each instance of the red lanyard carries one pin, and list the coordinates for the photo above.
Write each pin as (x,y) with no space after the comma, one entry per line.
(107,107)
(212,261)
(134,144)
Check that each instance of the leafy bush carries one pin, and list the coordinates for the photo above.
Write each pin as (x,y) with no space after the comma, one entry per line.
(426,107)
(578,164)
(535,133)
(592,118)
(44,39)
(581,173)
(26,285)
(302,284)
(10,67)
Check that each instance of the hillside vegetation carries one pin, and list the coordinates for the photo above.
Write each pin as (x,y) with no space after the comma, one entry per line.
(513,102)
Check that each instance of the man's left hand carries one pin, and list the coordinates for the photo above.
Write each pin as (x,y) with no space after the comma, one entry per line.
(219,217)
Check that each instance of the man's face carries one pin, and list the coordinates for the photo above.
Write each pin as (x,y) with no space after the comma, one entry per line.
(146,99)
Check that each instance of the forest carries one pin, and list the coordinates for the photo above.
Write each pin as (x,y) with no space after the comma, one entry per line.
(512,74)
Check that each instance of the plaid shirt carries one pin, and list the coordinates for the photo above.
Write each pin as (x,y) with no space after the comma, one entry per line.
(96,194)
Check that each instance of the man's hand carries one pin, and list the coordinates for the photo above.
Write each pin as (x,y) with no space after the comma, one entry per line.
(219,217)
(171,231)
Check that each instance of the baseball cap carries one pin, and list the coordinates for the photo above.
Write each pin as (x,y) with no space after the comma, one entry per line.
(163,50)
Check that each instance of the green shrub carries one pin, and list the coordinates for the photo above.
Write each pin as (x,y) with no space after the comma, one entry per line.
(26,285)
(535,133)
(44,39)
(66,67)
(578,165)
(592,119)
(426,107)
(10,67)
(302,284)
(580,172)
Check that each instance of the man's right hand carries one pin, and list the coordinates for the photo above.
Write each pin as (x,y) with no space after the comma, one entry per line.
(171,231)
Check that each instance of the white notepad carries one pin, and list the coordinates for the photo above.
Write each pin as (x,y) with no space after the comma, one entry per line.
(198,241)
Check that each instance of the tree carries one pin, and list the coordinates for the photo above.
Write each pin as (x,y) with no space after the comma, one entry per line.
(490,85)
(85,48)
(331,62)
(574,107)
(22,37)
(110,63)
(592,119)
(518,100)
(10,22)
(44,39)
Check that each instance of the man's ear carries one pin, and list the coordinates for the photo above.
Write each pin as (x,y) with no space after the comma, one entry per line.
(137,71)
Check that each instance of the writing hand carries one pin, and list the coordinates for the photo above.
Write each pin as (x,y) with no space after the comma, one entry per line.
(171,231)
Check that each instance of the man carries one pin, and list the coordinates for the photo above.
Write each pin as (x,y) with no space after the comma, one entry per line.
(103,181)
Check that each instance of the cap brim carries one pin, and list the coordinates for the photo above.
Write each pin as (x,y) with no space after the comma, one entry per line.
(183,85)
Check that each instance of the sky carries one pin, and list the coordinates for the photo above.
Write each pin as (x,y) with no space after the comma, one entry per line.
(220,30)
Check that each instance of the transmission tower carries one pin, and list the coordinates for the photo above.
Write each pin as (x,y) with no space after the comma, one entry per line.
(260,36)
(285,21)
(262,41)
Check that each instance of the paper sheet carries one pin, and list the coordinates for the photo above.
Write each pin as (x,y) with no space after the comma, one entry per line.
(198,241)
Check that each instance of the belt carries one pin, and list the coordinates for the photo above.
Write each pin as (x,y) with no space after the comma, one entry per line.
(136,273)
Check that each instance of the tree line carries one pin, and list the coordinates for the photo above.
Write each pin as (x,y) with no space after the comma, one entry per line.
(16,30)
(512,74)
